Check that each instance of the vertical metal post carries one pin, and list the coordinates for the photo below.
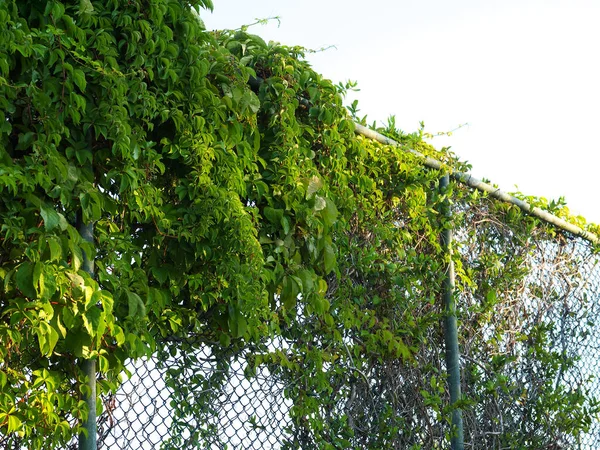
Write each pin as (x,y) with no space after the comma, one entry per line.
(451,329)
(89,365)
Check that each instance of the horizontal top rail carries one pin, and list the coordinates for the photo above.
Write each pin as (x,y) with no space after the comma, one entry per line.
(464,178)
(475,183)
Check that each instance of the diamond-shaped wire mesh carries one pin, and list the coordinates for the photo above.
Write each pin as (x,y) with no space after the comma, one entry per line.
(232,410)
(191,397)
(556,302)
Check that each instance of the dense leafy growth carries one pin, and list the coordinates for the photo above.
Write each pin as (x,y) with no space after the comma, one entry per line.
(231,203)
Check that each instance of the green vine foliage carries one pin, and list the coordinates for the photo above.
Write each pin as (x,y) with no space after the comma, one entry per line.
(232,206)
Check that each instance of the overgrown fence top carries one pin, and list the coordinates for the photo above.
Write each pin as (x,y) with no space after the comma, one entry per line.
(268,278)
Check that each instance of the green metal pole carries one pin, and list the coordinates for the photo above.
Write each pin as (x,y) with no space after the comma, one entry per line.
(87,441)
(451,330)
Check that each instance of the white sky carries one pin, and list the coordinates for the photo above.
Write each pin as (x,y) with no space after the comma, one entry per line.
(524,75)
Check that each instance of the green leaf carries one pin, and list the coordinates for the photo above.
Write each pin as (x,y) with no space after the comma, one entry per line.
(319,304)
(46,282)
(314,184)
(55,248)
(224,340)
(76,256)
(289,292)
(285,224)
(24,279)
(14,423)
(320,203)
(52,340)
(306,277)
(256,141)
(105,299)
(160,274)
(251,101)
(273,215)
(52,219)
(329,258)
(329,213)
(237,322)
(79,343)
(68,317)
(57,325)
(47,338)
(85,7)
(38,278)
(25,140)
(57,11)
(103,363)
(119,335)
(136,305)
(79,79)
(329,320)
(92,319)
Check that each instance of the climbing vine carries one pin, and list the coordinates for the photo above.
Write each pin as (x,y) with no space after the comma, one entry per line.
(232,204)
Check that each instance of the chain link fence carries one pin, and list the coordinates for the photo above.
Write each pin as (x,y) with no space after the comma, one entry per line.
(203,398)
(239,411)
(554,299)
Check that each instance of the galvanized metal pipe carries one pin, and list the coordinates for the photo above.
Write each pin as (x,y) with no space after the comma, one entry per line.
(451,329)
(87,441)
(475,183)
(464,178)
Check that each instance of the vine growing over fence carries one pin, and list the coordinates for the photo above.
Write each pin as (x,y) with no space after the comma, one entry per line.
(226,212)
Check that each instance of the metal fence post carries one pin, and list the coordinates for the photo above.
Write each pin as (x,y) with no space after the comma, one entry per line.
(451,329)
(89,365)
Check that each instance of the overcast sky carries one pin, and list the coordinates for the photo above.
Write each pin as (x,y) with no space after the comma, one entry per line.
(523,74)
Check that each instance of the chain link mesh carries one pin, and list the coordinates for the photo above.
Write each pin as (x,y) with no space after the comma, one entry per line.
(555,293)
(233,410)
(557,296)
(519,282)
